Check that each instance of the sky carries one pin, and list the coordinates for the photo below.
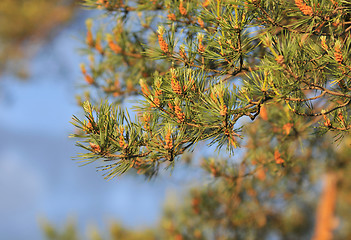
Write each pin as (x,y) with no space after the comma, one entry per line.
(38,178)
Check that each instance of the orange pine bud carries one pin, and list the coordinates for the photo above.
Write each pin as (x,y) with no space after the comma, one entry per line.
(95,148)
(98,46)
(277,157)
(121,141)
(214,96)
(176,86)
(114,47)
(182,9)
(287,128)
(337,54)
(341,117)
(168,140)
(162,43)
(201,48)
(182,53)
(224,110)
(200,22)
(144,87)
(206,3)
(172,17)
(88,127)
(170,106)
(88,79)
(156,100)
(82,68)
(89,39)
(178,112)
(146,118)
(158,92)
(327,122)
(304,8)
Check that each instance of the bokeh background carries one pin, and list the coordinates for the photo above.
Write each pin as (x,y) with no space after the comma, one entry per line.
(39,76)
(39,181)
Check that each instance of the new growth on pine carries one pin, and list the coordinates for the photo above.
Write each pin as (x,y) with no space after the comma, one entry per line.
(232,59)
(263,74)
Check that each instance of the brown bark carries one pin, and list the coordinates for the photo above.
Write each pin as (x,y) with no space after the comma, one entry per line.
(325,219)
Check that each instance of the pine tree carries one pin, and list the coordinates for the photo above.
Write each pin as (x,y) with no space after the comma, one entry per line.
(270,75)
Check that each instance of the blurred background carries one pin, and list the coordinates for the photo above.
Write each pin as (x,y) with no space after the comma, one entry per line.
(41,184)
(39,74)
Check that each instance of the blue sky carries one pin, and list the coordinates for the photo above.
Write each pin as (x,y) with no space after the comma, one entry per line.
(37,176)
